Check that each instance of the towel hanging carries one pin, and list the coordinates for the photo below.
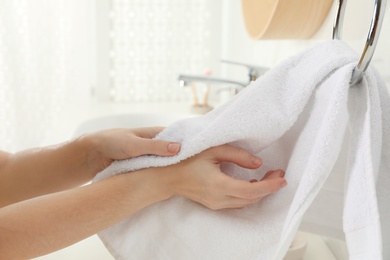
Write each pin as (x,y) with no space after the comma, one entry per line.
(293,117)
(372,37)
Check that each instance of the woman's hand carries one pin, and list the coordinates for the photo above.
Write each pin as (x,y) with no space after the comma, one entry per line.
(117,144)
(39,171)
(200,179)
(47,223)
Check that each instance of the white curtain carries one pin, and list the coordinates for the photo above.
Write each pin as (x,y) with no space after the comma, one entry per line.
(152,41)
(49,53)
(43,66)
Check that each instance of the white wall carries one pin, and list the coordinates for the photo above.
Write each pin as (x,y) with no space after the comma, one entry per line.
(236,44)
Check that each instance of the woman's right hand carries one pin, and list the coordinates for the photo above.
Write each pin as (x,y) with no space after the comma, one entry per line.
(200,179)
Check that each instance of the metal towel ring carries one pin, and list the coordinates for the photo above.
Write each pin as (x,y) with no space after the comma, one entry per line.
(372,38)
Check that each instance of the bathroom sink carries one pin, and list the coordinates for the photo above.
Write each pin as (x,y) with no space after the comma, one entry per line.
(127,121)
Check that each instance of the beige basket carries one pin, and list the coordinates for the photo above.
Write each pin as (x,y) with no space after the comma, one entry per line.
(284,19)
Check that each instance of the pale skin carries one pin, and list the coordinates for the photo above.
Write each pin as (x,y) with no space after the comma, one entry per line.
(43,208)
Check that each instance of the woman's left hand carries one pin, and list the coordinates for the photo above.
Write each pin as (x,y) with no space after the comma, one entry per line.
(118,144)
(200,179)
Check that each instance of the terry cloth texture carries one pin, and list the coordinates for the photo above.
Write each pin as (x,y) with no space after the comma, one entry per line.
(302,116)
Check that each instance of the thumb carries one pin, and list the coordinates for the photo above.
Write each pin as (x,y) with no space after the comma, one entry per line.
(157,147)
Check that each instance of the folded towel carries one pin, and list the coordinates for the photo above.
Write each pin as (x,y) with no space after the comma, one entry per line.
(302,116)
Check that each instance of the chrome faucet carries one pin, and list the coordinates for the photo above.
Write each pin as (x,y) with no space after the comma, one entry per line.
(253,73)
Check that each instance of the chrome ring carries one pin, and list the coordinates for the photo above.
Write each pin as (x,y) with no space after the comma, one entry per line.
(372,38)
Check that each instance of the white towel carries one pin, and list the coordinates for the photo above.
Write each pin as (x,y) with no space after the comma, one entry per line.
(301,116)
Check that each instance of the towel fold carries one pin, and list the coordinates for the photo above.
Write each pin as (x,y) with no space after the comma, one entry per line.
(333,141)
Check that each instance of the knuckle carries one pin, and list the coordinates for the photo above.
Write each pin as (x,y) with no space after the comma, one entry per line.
(155,145)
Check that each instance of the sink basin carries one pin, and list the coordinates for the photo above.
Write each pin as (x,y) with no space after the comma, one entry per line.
(127,121)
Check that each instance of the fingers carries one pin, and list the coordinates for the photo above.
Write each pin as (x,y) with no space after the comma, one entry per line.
(253,190)
(274,174)
(206,184)
(271,174)
(144,144)
(228,153)
(247,193)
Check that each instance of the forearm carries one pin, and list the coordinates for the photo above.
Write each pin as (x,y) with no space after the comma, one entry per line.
(48,223)
(40,171)
(45,170)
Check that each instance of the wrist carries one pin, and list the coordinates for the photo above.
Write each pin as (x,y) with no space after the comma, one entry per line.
(171,180)
(167,180)
(87,145)
(149,185)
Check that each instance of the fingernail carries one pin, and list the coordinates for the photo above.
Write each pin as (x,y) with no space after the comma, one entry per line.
(284,183)
(256,160)
(173,147)
(281,173)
